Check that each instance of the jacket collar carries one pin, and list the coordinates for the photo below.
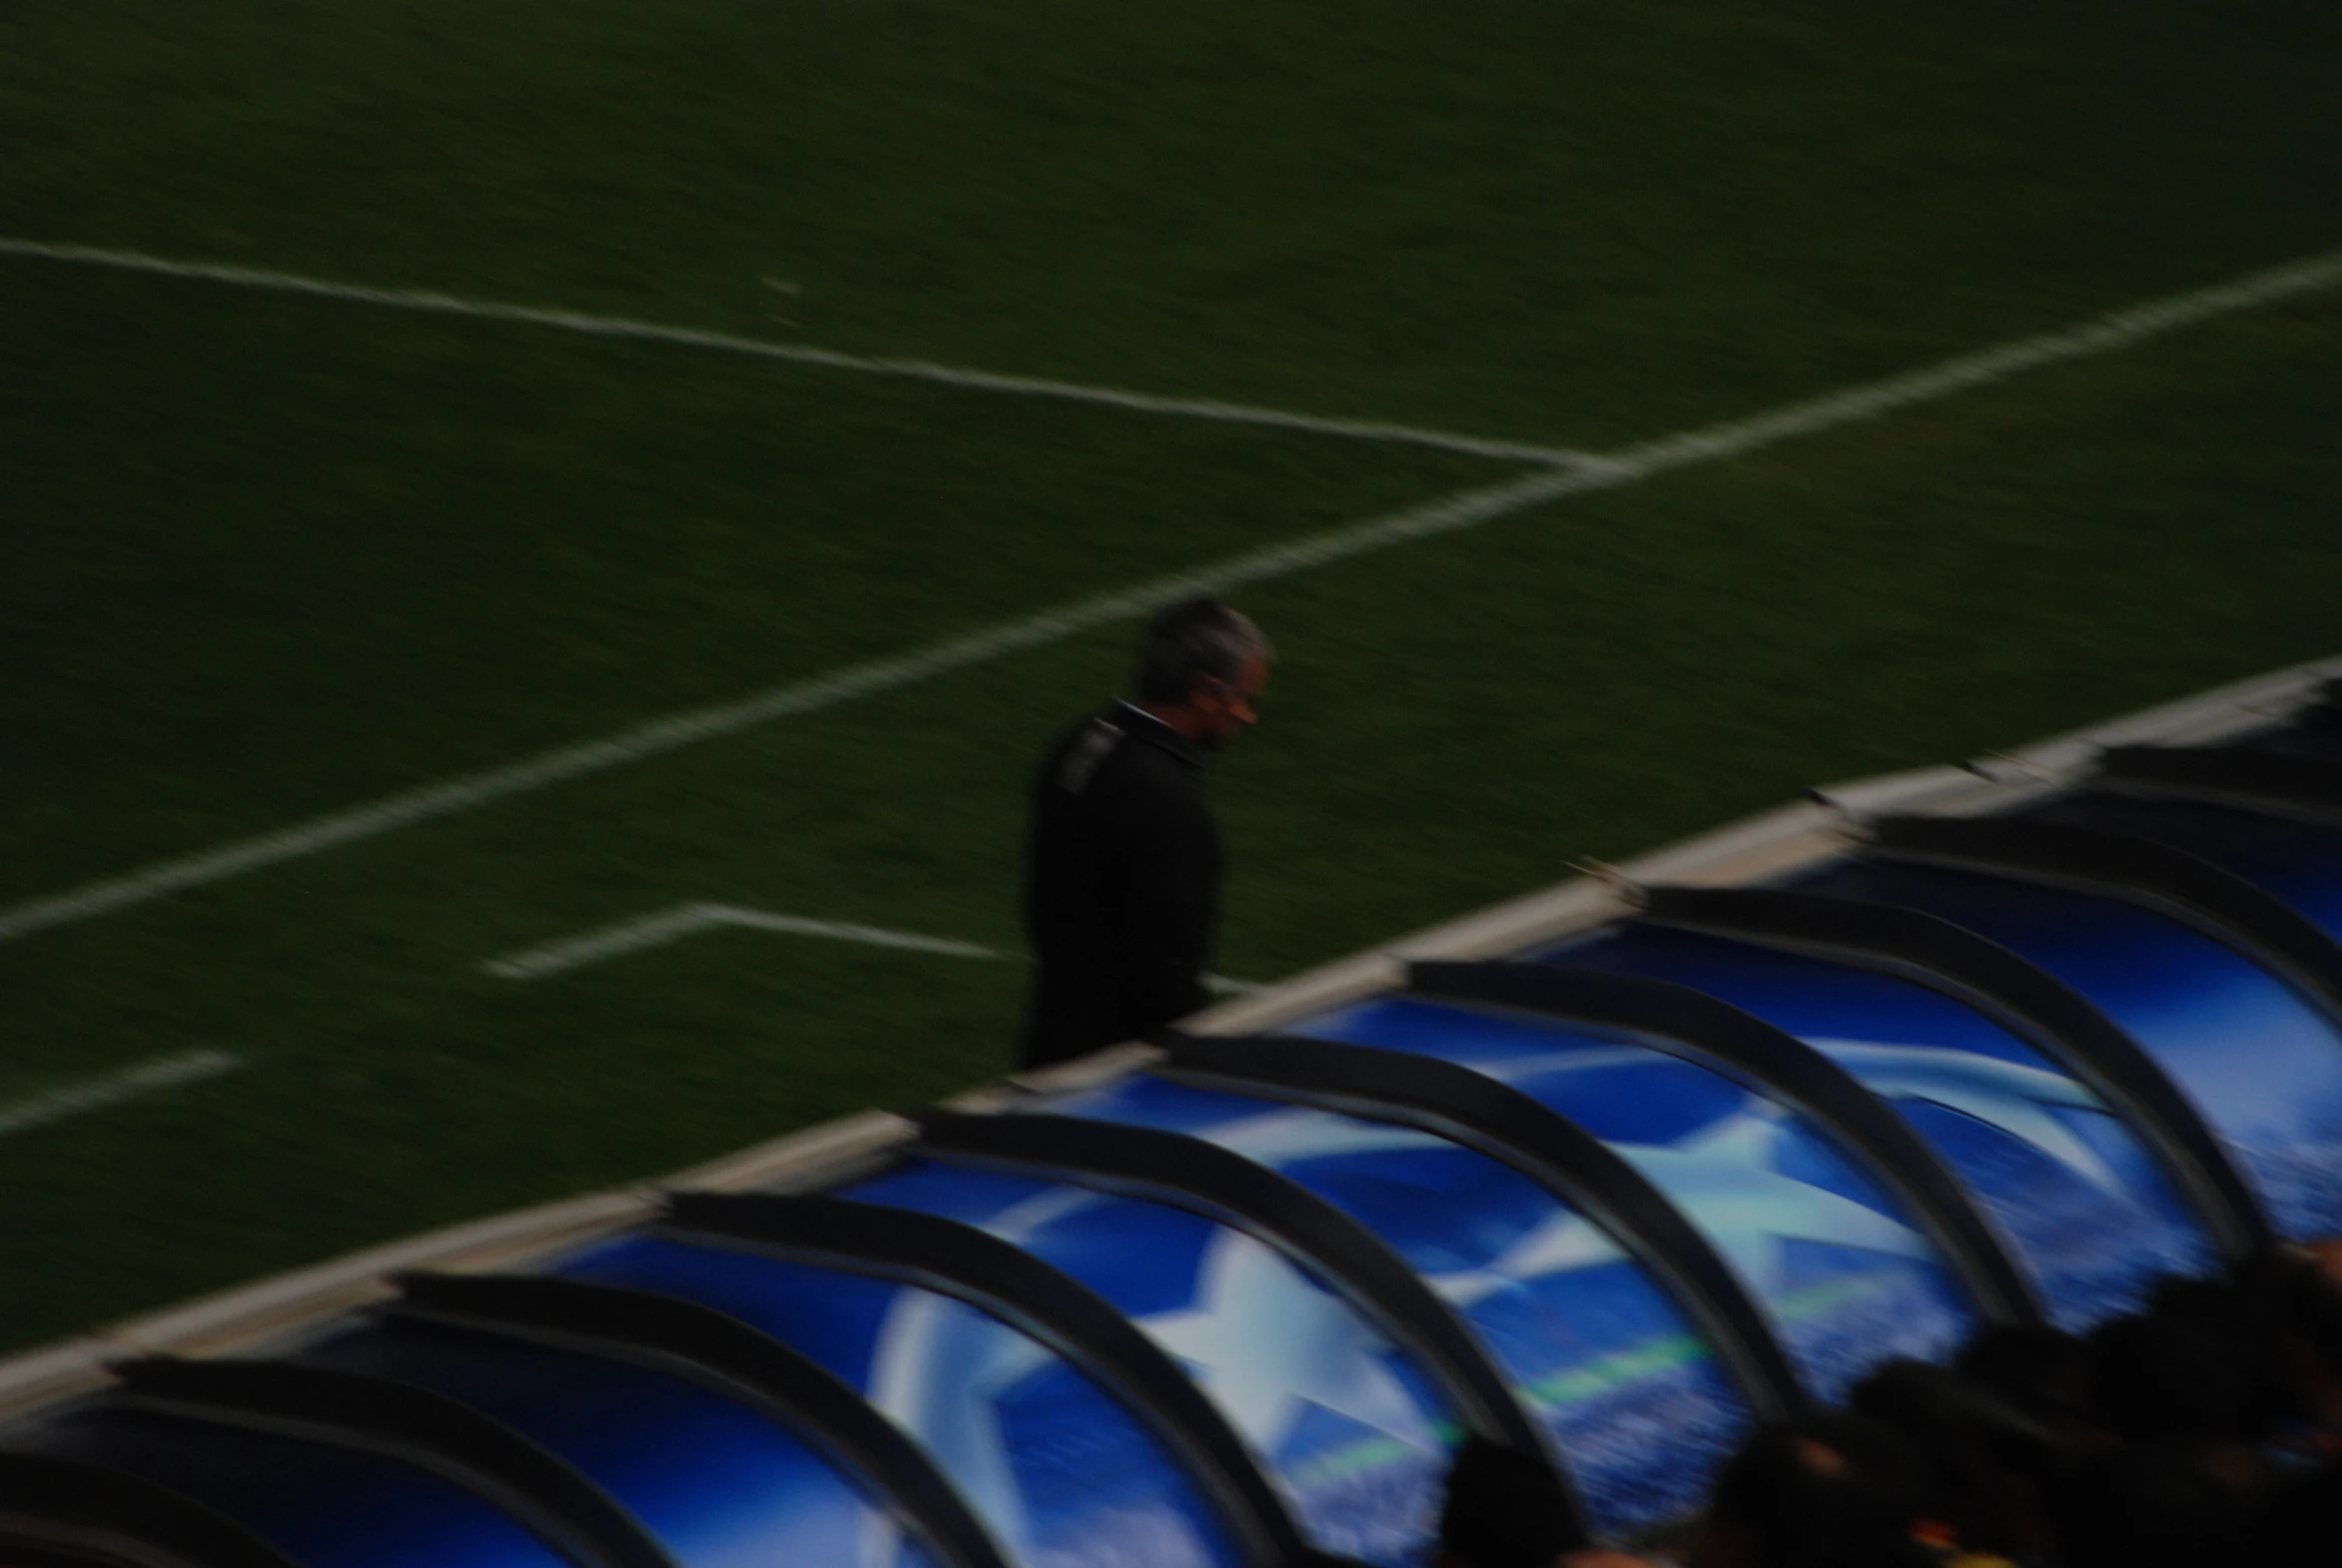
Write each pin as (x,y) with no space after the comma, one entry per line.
(1139,724)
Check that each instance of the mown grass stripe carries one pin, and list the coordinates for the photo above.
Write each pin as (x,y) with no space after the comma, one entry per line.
(1448,514)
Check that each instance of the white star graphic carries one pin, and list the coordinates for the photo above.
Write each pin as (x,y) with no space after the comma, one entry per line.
(2006,1094)
(1721,1178)
(1279,1137)
(1561,1242)
(1264,1341)
(1261,1337)
(938,1371)
(1558,1244)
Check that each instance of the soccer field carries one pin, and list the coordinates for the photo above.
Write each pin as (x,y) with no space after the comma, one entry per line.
(278,551)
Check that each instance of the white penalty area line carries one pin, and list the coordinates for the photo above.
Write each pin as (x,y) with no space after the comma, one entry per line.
(1449,514)
(672,924)
(111,1089)
(438,303)
(665,926)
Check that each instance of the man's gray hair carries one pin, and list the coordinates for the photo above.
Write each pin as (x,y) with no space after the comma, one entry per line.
(1195,640)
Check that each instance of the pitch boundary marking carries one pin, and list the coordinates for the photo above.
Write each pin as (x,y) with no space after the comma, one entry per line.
(111,1089)
(435,302)
(663,927)
(1447,514)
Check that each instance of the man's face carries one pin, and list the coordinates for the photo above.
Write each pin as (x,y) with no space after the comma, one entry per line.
(1224,709)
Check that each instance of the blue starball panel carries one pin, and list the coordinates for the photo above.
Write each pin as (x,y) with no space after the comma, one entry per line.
(1639,1409)
(2262,1064)
(715,1483)
(1836,1261)
(1060,1475)
(325,1507)
(2296,863)
(1345,1419)
(2087,1210)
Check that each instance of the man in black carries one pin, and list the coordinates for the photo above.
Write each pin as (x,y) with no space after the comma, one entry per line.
(1122,886)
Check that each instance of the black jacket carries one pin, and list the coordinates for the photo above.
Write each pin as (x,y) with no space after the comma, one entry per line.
(1121,885)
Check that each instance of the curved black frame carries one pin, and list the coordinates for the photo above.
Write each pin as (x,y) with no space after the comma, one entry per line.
(2013,991)
(75,1496)
(687,1339)
(1192,1174)
(2266,781)
(1720,1035)
(95,1551)
(2134,870)
(399,1421)
(1498,1121)
(1002,1279)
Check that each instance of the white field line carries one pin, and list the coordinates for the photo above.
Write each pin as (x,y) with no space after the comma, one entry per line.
(1447,514)
(93,1094)
(674,925)
(659,929)
(795,353)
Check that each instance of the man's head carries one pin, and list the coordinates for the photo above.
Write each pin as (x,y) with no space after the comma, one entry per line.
(1504,1509)
(1203,667)
(1824,1491)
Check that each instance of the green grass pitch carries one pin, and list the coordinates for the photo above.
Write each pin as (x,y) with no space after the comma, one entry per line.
(265,557)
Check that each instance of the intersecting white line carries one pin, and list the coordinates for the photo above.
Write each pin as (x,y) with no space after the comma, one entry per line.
(1448,514)
(661,927)
(645,932)
(93,1094)
(438,303)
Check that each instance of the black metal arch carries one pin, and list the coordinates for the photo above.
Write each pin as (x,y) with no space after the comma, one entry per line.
(2013,991)
(94,1551)
(1719,1035)
(686,1338)
(2265,781)
(1199,1175)
(2133,870)
(1498,1121)
(55,1505)
(1008,1283)
(399,1421)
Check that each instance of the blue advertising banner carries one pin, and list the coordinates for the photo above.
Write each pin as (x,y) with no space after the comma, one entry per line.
(2291,860)
(325,1507)
(1343,1418)
(1836,1261)
(2262,1064)
(1639,1409)
(1062,1475)
(2087,1210)
(716,1483)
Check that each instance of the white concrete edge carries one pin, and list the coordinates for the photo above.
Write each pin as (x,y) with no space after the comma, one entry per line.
(250,1315)
(237,1316)
(2003,779)
(797,1154)
(1769,844)
(1887,794)
(2203,719)
(51,1374)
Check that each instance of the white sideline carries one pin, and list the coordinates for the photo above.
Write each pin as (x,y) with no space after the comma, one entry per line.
(438,303)
(94,1094)
(1448,514)
(657,929)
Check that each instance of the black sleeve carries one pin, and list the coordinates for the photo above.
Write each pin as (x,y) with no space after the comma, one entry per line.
(1173,905)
